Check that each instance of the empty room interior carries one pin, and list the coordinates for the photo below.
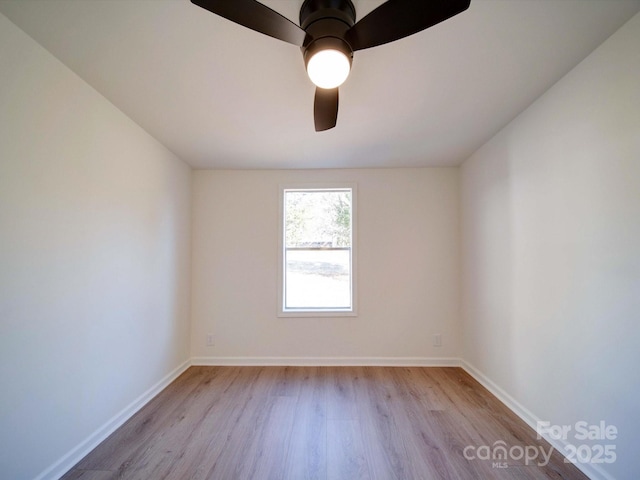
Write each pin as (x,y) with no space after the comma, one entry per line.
(215,266)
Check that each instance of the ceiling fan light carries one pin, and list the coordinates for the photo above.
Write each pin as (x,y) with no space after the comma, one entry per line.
(328,68)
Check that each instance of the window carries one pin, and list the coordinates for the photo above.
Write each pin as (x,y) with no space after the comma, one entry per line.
(317,261)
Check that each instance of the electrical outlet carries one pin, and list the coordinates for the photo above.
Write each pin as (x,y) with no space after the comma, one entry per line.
(437,340)
(209,340)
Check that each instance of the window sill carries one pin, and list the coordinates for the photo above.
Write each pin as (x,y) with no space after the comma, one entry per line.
(316,313)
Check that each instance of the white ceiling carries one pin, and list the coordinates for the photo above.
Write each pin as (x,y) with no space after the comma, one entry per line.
(222,96)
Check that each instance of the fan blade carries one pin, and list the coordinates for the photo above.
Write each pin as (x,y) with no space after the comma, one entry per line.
(256,16)
(325,108)
(396,19)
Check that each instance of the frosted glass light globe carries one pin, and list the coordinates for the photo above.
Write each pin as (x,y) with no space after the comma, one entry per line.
(328,68)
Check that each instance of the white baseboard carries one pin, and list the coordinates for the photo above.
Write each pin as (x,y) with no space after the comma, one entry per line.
(593,471)
(328,361)
(60,467)
(64,464)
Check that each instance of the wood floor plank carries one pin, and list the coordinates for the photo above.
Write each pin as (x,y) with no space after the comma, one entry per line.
(266,453)
(346,455)
(308,444)
(422,438)
(288,381)
(386,454)
(341,400)
(319,423)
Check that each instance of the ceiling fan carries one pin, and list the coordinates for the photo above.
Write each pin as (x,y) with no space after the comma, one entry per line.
(328,35)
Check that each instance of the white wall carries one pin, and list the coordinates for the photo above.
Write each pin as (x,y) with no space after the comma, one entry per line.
(94,259)
(408,257)
(551,250)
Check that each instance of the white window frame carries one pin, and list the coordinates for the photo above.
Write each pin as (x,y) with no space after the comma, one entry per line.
(318,312)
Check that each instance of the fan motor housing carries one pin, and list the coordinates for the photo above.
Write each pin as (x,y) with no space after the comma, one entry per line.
(313,10)
(326,23)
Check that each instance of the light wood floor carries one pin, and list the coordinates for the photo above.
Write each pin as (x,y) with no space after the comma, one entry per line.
(333,423)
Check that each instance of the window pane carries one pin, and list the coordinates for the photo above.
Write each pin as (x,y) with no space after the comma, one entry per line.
(318,218)
(318,279)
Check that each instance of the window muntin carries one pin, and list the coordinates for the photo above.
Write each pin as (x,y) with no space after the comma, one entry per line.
(317,261)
